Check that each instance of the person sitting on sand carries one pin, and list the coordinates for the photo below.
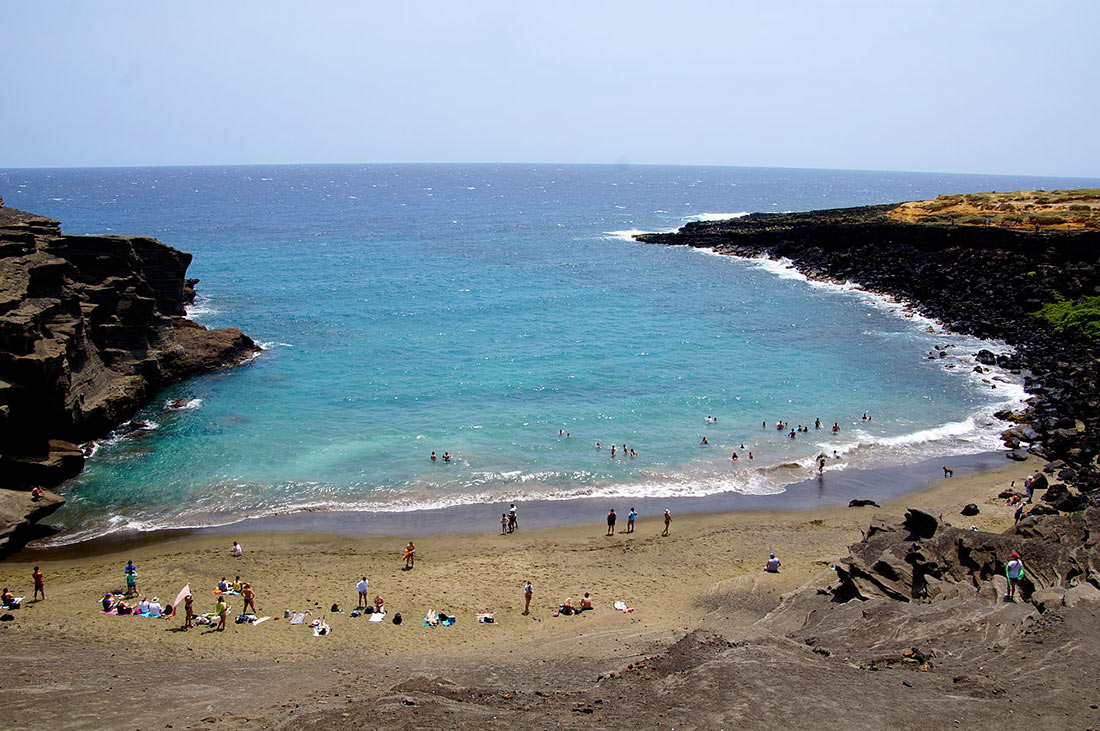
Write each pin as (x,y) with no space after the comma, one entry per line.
(238,584)
(143,606)
(236,551)
(410,555)
(586,602)
(773,564)
(123,608)
(7,598)
(223,585)
(566,607)
(379,605)
(108,601)
(249,597)
(155,609)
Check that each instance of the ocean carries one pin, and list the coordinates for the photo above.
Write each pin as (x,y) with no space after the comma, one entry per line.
(502,314)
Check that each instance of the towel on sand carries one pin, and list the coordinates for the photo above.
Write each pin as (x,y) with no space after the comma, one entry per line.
(299,618)
(377,617)
(622,607)
(487,617)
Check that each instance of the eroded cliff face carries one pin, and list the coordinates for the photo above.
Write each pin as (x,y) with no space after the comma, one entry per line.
(980,280)
(90,328)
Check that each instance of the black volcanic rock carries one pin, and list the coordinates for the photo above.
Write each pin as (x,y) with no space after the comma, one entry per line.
(978,280)
(90,328)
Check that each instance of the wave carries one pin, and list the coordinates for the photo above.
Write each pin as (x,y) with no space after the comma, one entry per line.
(715,216)
(629,234)
(200,307)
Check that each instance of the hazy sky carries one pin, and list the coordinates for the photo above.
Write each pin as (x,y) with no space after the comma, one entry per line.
(994,86)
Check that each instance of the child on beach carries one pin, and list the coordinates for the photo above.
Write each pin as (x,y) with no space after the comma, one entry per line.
(503,523)
(131,579)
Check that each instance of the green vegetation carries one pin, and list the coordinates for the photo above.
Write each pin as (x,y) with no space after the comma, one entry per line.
(1040,209)
(1067,316)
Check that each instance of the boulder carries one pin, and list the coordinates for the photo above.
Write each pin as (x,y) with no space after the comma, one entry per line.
(970,509)
(862,503)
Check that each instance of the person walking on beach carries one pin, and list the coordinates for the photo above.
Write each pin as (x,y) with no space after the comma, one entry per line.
(1014,572)
(221,608)
(611,522)
(188,612)
(410,556)
(249,597)
(362,587)
(39,584)
(528,592)
(668,520)
(630,518)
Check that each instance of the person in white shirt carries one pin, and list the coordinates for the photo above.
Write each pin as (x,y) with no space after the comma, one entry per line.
(236,550)
(143,606)
(155,609)
(363,586)
(773,564)
(1014,572)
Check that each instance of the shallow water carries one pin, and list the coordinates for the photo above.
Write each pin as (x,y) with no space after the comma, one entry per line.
(478,310)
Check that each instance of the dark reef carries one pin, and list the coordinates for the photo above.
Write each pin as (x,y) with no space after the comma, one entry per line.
(979,280)
(91,327)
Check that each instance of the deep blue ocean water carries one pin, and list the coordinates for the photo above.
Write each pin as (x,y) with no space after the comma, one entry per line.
(480,309)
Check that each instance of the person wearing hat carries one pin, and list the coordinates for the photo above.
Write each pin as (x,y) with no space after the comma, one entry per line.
(1014,572)
(773,564)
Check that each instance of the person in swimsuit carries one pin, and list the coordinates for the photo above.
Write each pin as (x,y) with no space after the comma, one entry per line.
(611,522)
(410,555)
(249,597)
(668,520)
(222,610)
(188,612)
(586,602)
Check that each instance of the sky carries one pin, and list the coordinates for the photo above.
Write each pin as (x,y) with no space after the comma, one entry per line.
(981,86)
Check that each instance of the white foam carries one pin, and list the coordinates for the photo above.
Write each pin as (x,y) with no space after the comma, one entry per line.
(628,234)
(201,307)
(271,344)
(715,216)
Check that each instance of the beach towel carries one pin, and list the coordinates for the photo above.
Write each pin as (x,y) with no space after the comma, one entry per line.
(228,592)
(377,617)
(321,630)
(487,617)
(261,620)
(299,618)
(15,602)
(180,597)
(622,607)
(431,619)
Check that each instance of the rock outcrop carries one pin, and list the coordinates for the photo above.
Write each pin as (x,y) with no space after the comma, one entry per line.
(90,328)
(979,280)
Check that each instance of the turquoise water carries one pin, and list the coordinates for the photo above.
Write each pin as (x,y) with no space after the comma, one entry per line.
(478,310)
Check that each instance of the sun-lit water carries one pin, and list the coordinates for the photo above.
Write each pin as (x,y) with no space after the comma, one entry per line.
(478,310)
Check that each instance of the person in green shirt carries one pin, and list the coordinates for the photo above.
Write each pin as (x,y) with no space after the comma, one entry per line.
(222,610)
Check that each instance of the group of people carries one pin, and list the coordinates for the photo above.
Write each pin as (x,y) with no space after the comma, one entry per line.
(446,457)
(509,521)
(626,452)
(612,519)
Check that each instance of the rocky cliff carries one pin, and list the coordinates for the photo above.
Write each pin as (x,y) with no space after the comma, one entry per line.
(980,280)
(90,328)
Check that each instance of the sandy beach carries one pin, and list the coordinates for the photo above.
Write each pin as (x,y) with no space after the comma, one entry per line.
(65,649)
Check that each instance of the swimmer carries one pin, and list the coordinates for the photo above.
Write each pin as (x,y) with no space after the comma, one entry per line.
(817,423)
(750,455)
(433,456)
(633,454)
(704,441)
(821,463)
(734,456)
(612,451)
(836,427)
(446,456)
(598,446)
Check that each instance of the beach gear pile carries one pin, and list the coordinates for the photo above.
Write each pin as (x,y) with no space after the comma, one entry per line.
(435,619)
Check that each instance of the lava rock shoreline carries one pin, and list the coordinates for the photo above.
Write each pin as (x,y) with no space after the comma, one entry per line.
(91,327)
(984,281)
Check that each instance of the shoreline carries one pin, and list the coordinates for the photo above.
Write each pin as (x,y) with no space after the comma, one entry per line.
(882,484)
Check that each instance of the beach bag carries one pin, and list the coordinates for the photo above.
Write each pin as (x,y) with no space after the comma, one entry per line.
(10,617)
(241,618)
(335,608)
(368,610)
(397,618)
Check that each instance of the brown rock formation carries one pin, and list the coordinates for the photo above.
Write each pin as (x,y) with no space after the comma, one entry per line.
(90,328)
